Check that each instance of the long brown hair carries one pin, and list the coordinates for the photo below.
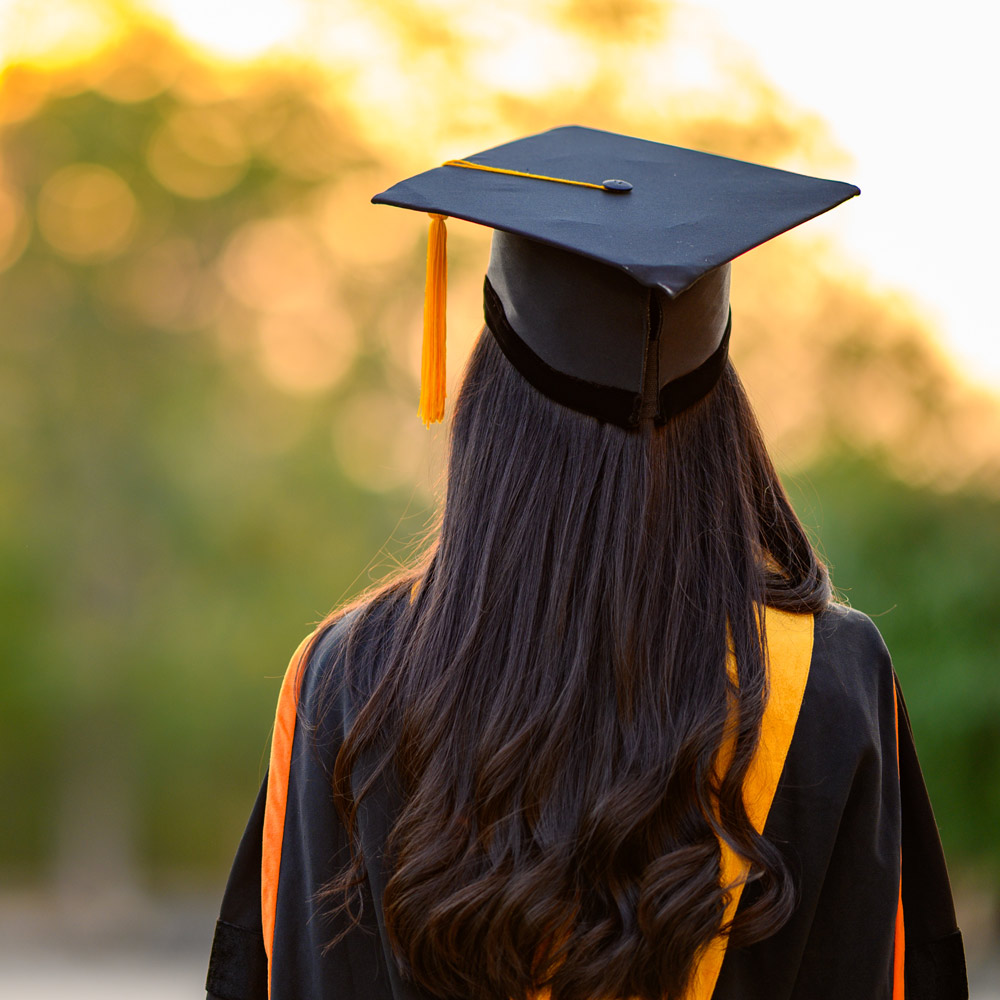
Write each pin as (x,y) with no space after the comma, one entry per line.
(552,700)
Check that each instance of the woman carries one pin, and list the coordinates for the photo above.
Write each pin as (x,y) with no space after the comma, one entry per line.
(612,737)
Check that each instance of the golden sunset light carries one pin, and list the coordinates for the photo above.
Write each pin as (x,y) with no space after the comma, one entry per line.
(212,353)
(434,79)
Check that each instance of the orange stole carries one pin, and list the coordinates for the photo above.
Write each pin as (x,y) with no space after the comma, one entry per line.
(789,646)
(277,797)
(899,944)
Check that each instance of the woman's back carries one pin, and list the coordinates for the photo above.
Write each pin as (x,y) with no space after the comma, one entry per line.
(836,811)
(610,738)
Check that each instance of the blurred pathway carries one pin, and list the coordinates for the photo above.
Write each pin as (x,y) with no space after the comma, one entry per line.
(159,953)
(45,976)
(108,977)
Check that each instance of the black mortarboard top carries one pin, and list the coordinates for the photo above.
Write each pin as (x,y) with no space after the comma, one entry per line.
(608,282)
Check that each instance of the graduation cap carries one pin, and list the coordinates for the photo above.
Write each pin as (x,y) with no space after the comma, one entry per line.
(608,280)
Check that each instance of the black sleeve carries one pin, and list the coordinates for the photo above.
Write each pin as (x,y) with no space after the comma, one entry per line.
(237,968)
(313,848)
(935,958)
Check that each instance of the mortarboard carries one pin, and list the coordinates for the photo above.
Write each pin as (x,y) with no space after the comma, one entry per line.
(608,280)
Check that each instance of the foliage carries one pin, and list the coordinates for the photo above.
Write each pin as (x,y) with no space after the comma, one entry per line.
(205,344)
(923,565)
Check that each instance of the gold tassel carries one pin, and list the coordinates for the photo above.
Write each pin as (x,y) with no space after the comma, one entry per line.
(432,367)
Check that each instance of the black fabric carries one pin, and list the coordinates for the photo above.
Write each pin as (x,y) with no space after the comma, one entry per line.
(935,958)
(686,390)
(836,817)
(608,403)
(616,406)
(839,815)
(570,262)
(582,318)
(237,968)
(687,213)
(314,849)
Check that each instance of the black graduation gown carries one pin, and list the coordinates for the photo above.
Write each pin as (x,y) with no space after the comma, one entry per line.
(842,812)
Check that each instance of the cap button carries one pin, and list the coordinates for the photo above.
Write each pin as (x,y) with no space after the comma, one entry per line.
(614,184)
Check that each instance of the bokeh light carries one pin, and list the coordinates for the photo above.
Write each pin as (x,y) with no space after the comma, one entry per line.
(274,264)
(198,153)
(14,227)
(87,212)
(256,28)
(209,382)
(306,352)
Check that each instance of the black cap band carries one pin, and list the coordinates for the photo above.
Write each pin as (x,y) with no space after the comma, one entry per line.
(596,340)
(605,402)
(687,389)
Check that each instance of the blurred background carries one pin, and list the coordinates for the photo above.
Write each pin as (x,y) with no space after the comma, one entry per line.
(209,361)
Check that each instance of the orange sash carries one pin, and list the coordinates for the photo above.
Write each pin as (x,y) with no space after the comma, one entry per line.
(789,648)
(277,798)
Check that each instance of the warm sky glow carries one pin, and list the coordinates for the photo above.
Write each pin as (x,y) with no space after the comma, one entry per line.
(910,91)
(235,31)
(907,98)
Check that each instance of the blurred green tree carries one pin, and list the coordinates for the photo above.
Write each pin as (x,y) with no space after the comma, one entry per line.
(923,564)
(173,517)
(206,339)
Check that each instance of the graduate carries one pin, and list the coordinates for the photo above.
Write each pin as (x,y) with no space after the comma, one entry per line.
(613,736)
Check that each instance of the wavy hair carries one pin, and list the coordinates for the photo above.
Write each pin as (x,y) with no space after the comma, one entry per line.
(552,700)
